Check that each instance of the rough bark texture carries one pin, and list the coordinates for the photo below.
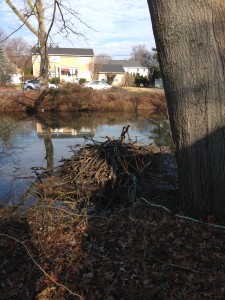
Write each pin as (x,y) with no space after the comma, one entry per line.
(42,46)
(190,39)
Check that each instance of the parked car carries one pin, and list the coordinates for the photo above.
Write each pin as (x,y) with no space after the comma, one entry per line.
(97,85)
(34,85)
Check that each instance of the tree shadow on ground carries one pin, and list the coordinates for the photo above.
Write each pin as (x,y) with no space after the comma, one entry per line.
(18,274)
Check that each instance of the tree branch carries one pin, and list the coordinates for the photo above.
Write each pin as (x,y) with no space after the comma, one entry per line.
(21,17)
(53,20)
(33,7)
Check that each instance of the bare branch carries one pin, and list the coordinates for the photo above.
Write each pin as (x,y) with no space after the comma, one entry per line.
(65,28)
(52,22)
(22,17)
(33,8)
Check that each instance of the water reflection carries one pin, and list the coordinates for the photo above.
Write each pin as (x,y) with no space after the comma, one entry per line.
(64,132)
(42,140)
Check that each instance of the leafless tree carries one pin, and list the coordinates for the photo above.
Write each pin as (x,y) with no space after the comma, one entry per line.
(40,17)
(91,68)
(18,51)
(138,51)
(100,60)
(148,59)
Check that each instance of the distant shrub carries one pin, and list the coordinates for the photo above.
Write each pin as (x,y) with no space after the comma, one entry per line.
(27,71)
(55,80)
(82,80)
(69,87)
(129,79)
(141,80)
(110,78)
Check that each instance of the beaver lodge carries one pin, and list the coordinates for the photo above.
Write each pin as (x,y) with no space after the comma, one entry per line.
(108,175)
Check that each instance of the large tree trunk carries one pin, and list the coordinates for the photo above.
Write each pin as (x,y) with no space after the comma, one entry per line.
(190,39)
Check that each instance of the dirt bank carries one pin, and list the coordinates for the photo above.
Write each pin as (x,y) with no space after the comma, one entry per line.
(77,98)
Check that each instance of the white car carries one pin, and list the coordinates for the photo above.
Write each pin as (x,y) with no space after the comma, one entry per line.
(98,85)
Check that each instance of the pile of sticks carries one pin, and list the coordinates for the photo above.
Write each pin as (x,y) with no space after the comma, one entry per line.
(106,174)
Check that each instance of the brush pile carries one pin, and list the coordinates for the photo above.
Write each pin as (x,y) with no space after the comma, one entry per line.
(106,175)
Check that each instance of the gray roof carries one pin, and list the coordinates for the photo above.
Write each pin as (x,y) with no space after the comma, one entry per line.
(111,69)
(68,51)
(127,63)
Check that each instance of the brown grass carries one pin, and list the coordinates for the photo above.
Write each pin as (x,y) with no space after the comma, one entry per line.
(77,98)
(144,90)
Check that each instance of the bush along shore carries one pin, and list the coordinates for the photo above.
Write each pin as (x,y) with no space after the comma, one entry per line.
(75,97)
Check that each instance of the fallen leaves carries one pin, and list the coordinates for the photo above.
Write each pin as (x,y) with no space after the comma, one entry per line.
(139,253)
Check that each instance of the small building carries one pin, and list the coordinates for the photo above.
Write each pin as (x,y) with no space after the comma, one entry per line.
(131,66)
(69,64)
(16,78)
(116,71)
(159,83)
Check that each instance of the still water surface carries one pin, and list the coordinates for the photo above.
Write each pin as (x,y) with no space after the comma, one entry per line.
(41,141)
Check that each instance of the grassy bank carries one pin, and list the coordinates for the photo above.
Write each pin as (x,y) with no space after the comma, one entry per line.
(77,98)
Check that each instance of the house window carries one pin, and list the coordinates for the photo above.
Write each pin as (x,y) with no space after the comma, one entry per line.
(65,73)
(69,72)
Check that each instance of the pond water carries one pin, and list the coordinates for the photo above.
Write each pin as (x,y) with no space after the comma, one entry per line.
(41,141)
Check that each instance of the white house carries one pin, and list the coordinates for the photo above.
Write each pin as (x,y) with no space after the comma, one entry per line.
(131,66)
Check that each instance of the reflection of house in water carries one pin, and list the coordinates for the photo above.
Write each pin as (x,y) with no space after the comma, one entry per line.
(67,132)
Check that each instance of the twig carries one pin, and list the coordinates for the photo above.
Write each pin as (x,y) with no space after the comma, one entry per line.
(182,217)
(45,273)
(177,266)
(123,133)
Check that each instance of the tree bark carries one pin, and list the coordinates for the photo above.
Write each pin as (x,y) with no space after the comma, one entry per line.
(190,39)
(43,46)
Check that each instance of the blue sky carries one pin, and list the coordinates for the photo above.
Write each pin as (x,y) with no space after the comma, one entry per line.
(116,26)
